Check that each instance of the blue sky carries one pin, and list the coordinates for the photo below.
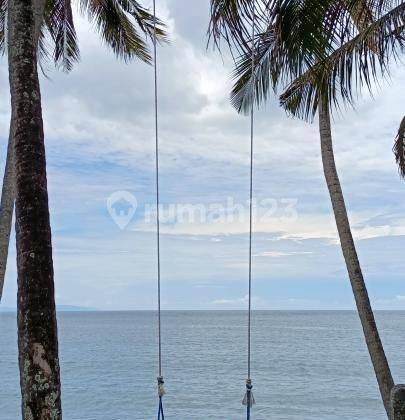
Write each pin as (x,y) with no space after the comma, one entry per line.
(100,140)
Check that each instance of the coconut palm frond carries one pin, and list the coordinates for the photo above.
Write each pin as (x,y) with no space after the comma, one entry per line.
(348,68)
(399,149)
(145,20)
(283,52)
(255,87)
(296,34)
(362,17)
(3,18)
(57,29)
(231,21)
(43,50)
(362,14)
(381,7)
(118,29)
(60,25)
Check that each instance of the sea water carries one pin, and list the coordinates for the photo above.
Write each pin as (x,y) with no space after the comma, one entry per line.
(305,366)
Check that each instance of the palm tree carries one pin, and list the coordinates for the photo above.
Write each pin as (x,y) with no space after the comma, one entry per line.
(318,49)
(375,45)
(27,24)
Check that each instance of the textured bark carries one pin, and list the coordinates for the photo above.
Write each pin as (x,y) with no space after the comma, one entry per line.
(37,328)
(8,189)
(6,209)
(398,402)
(374,344)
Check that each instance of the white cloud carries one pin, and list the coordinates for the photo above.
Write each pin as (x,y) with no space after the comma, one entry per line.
(238,301)
(278,254)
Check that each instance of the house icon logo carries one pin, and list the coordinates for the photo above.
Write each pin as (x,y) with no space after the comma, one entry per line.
(122,206)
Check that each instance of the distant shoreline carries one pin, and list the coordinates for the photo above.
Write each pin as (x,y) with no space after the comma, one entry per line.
(59,308)
(84,310)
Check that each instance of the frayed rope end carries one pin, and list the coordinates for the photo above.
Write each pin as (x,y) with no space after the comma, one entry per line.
(161,388)
(249,399)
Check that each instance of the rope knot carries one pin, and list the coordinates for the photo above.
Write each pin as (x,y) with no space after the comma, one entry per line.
(249,399)
(161,389)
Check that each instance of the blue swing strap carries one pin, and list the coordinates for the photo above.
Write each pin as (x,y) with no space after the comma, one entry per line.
(161,392)
(161,415)
(249,399)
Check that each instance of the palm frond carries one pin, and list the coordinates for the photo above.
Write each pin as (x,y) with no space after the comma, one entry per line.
(255,87)
(3,18)
(231,21)
(59,21)
(145,20)
(115,21)
(292,36)
(350,67)
(362,14)
(43,45)
(399,149)
(57,32)
(284,51)
(43,55)
(357,14)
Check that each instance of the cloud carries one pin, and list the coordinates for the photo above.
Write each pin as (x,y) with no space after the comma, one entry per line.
(278,254)
(238,301)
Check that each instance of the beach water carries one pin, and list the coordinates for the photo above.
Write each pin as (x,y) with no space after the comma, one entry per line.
(306,365)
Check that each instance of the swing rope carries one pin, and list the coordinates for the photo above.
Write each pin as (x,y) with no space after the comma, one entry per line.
(160,381)
(249,399)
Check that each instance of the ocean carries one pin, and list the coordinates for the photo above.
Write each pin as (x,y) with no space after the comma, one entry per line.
(307,365)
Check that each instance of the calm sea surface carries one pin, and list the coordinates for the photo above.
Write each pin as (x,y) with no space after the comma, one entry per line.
(306,365)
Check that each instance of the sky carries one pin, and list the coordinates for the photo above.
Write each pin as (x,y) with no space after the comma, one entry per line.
(99,129)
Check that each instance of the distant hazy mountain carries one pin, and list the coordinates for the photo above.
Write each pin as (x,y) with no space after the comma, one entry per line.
(59,308)
(7,309)
(71,308)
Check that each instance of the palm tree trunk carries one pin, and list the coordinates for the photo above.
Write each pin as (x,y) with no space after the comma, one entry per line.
(37,328)
(6,209)
(374,344)
(8,189)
